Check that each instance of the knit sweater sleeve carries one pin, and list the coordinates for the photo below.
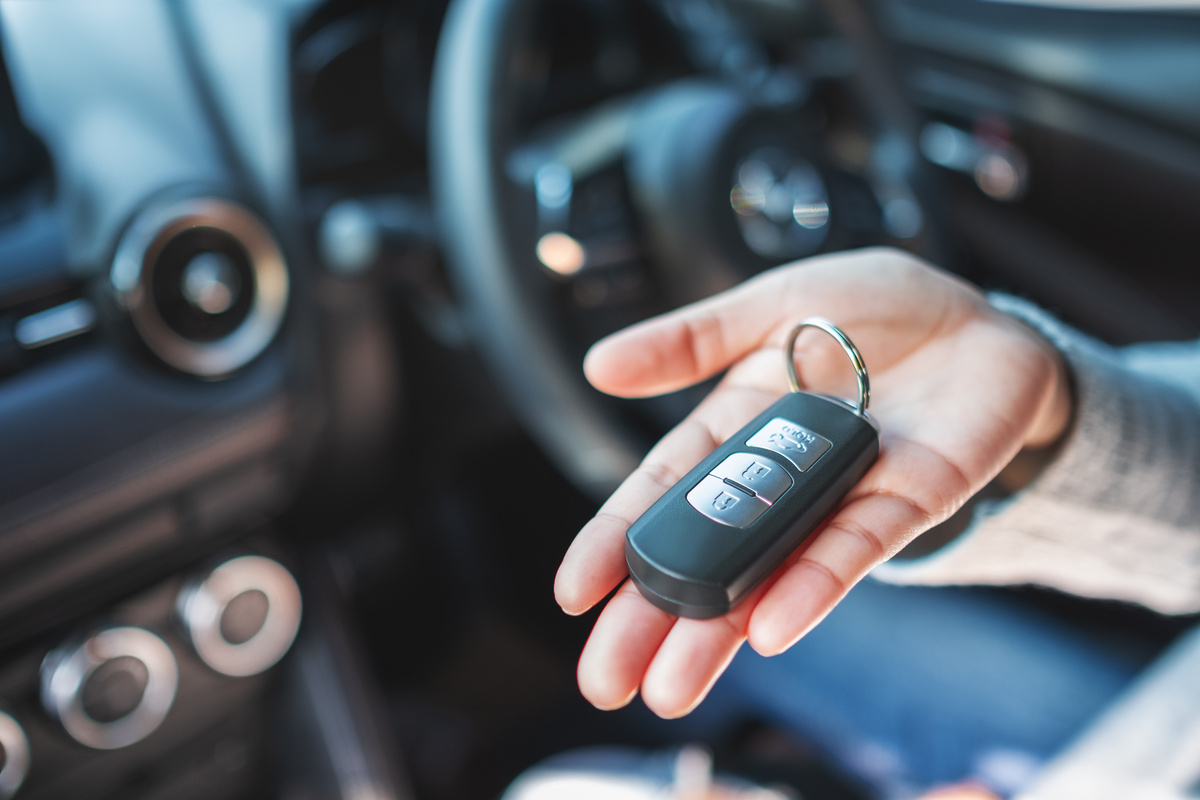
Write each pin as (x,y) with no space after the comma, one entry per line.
(1116,514)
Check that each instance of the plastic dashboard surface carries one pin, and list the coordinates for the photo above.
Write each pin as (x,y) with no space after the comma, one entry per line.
(108,461)
(1143,61)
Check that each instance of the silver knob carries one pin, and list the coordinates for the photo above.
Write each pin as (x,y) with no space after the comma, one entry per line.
(224,267)
(112,690)
(15,764)
(242,616)
(211,282)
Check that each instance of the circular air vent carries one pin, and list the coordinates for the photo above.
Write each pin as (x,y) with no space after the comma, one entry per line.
(111,690)
(242,616)
(204,283)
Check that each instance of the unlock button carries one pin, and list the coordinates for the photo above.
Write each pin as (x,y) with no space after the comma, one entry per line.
(728,505)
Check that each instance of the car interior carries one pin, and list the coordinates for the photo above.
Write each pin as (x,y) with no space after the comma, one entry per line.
(294,298)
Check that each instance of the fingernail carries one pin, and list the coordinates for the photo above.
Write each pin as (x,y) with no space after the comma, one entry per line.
(613,706)
(769,649)
(674,714)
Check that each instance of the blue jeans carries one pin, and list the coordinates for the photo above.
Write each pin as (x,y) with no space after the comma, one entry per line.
(911,687)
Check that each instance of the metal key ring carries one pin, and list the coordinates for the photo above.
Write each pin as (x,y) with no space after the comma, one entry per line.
(856,359)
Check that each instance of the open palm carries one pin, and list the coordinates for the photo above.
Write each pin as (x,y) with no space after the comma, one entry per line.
(958,389)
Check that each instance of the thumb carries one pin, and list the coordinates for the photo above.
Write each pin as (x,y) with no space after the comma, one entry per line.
(880,285)
(689,345)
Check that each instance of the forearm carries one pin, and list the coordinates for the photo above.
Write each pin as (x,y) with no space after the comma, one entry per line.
(1116,513)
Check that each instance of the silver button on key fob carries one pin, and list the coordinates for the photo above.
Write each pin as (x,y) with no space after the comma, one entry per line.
(737,515)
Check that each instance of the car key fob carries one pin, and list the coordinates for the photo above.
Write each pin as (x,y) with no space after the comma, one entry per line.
(736,516)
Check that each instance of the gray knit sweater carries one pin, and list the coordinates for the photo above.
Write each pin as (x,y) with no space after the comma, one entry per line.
(1116,514)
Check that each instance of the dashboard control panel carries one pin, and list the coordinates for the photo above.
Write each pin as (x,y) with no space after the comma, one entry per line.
(178,668)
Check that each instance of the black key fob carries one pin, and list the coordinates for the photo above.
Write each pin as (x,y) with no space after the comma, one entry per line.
(737,515)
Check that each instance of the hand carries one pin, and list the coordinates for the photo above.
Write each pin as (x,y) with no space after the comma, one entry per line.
(957,387)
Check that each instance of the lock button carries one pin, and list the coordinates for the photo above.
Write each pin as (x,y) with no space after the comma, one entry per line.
(761,475)
(726,504)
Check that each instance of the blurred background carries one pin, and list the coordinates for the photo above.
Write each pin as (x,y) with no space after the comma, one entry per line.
(293,298)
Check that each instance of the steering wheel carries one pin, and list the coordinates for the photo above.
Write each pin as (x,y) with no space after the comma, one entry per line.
(500,191)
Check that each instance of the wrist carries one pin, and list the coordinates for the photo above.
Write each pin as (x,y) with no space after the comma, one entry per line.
(1050,425)
(1057,407)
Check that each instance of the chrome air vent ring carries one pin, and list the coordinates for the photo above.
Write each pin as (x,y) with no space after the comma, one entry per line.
(205,605)
(204,282)
(15,748)
(147,669)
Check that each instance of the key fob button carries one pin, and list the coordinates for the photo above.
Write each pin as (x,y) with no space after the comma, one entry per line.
(794,442)
(761,475)
(728,505)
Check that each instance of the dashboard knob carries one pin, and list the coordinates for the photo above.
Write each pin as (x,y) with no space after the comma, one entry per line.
(14,756)
(111,690)
(204,282)
(211,282)
(242,616)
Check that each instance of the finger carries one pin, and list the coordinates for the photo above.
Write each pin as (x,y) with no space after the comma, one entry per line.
(693,343)
(700,340)
(908,490)
(683,348)
(595,561)
(622,644)
(682,661)
(864,533)
(692,656)
(688,663)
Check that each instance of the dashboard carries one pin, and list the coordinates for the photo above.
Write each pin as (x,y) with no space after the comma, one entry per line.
(243,328)
(156,404)
(112,447)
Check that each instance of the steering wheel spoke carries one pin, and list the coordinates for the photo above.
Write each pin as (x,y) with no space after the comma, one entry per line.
(589,238)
